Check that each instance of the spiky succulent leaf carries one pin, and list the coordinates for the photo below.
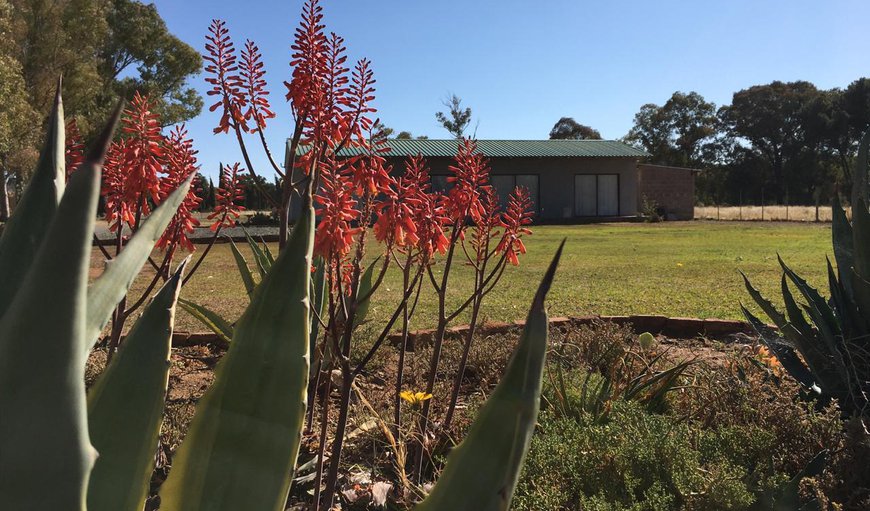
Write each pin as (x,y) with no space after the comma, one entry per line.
(817,308)
(113,284)
(795,315)
(260,259)
(240,450)
(859,173)
(267,251)
(861,233)
(25,230)
(788,330)
(842,238)
(482,472)
(365,293)
(318,281)
(45,454)
(782,351)
(209,318)
(125,407)
(244,271)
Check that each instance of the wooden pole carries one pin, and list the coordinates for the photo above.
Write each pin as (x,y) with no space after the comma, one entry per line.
(762,204)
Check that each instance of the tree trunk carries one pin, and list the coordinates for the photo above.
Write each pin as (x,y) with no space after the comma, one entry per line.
(4,197)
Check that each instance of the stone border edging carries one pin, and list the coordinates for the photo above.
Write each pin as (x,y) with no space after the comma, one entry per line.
(677,328)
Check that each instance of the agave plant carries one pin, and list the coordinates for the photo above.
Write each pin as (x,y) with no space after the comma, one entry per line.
(63,448)
(824,344)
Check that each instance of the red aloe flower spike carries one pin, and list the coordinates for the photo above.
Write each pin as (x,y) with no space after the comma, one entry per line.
(470,173)
(75,148)
(143,154)
(486,227)
(230,191)
(252,75)
(304,91)
(371,176)
(336,209)
(398,210)
(429,214)
(180,164)
(357,101)
(517,215)
(225,82)
(335,89)
(119,211)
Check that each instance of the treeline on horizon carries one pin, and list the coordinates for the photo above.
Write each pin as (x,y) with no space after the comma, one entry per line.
(778,143)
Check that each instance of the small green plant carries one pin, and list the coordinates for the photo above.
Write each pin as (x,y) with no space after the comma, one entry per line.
(651,210)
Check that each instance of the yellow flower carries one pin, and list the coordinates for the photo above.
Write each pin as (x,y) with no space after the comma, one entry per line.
(679,265)
(415,398)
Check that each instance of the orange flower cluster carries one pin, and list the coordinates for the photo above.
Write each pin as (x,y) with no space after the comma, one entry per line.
(180,158)
(229,191)
(144,167)
(75,148)
(517,215)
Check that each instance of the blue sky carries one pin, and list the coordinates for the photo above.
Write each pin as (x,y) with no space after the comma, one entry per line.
(521,65)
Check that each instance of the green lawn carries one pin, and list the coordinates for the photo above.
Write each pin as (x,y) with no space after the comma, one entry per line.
(674,269)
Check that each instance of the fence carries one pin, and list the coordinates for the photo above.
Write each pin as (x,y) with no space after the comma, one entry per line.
(766,213)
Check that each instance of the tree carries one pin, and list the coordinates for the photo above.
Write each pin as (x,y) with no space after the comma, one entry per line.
(104,49)
(676,133)
(19,123)
(456,119)
(137,36)
(568,128)
(95,44)
(404,135)
(771,119)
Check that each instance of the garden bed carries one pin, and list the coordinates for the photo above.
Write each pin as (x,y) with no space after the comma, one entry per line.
(731,429)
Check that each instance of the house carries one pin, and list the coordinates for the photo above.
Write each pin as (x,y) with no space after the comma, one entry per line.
(569,180)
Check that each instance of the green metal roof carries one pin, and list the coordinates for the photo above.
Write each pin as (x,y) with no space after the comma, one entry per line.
(508,148)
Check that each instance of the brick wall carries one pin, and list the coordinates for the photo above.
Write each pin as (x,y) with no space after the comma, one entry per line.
(672,188)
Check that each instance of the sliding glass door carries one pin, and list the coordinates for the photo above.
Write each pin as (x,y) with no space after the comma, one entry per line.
(596,195)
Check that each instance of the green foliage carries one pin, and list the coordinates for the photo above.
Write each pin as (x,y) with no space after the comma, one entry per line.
(456,119)
(568,128)
(125,46)
(637,461)
(677,132)
(642,461)
(823,343)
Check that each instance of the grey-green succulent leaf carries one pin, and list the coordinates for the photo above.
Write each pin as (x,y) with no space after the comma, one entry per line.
(365,292)
(209,318)
(45,454)
(26,229)
(244,271)
(112,285)
(260,258)
(481,472)
(241,448)
(125,407)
